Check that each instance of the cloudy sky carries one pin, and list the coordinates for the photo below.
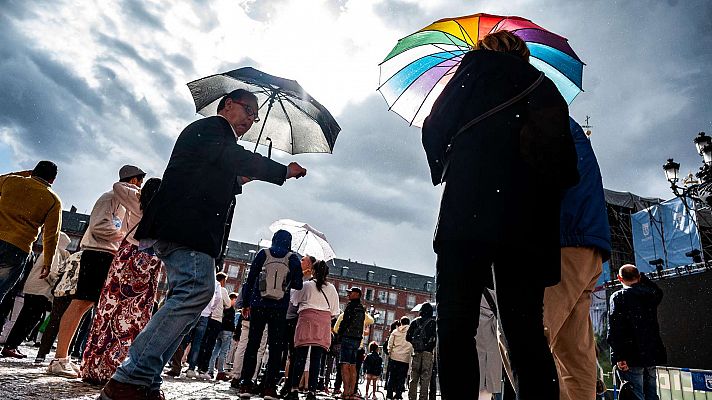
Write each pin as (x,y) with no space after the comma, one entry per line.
(95,85)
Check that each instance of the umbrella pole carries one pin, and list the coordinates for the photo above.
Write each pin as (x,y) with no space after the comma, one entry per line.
(269,108)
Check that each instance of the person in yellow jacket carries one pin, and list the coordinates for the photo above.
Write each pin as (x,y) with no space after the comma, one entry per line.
(27,204)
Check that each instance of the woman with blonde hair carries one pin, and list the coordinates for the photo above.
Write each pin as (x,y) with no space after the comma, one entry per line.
(499,136)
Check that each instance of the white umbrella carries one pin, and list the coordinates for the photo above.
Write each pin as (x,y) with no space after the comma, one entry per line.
(305,239)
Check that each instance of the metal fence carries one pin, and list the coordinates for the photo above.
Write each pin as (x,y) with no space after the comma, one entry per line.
(684,384)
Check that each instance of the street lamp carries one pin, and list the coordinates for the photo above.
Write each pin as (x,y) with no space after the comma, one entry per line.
(697,190)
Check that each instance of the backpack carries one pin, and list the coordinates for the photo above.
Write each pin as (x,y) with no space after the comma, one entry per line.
(420,340)
(273,277)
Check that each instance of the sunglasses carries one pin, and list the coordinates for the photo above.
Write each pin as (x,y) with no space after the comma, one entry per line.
(250,111)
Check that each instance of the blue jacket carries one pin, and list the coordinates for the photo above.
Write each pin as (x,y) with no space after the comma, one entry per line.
(584,220)
(281,243)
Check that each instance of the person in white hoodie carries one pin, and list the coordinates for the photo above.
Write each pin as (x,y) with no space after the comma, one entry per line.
(38,295)
(400,352)
(110,220)
(127,298)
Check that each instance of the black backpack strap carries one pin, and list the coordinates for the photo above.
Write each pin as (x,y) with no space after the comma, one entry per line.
(490,301)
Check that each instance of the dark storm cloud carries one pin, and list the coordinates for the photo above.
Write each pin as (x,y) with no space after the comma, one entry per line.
(136,11)
(382,166)
(116,47)
(38,96)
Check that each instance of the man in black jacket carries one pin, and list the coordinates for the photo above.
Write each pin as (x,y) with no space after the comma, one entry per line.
(422,335)
(185,224)
(503,179)
(634,333)
(351,334)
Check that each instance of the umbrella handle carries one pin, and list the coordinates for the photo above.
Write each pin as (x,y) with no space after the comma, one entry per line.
(264,122)
(269,150)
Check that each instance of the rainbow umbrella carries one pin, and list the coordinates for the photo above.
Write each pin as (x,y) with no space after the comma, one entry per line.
(417,69)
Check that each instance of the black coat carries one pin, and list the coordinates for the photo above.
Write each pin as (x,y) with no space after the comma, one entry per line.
(633,329)
(201,179)
(506,174)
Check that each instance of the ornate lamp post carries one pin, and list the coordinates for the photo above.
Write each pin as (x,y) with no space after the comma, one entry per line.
(697,190)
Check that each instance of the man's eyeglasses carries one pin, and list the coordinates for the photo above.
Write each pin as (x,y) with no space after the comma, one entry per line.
(250,111)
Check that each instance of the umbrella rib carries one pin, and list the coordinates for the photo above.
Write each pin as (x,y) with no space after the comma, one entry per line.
(559,71)
(465,33)
(408,87)
(281,96)
(417,59)
(451,71)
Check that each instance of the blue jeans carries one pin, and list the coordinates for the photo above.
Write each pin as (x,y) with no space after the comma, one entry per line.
(12,264)
(644,382)
(198,333)
(191,277)
(222,346)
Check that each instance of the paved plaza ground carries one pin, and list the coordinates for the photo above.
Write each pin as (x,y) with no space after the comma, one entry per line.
(22,379)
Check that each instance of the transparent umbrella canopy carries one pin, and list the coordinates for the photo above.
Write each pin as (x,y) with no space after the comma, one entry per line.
(306,240)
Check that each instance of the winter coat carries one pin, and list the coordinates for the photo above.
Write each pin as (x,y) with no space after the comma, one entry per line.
(110,220)
(399,348)
(584,219)
(251,297)
(199,184)
(633,329)
(43,287)
(373,364)
(505,174)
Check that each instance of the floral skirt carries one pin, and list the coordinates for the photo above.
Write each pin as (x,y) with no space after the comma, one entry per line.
(124,309)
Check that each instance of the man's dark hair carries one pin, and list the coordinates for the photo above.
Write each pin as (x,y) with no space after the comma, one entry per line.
(237,94)
(405,321)
(46,170)
(233,295)
(395,325)
(220,276)
(629,272)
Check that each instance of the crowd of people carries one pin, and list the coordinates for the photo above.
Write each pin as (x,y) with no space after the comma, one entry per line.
(519,174)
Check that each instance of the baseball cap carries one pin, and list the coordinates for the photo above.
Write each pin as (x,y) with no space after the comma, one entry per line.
(129,171)
(355,289)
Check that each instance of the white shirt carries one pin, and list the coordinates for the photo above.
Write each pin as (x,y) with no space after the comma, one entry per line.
(214,303)
(311,297)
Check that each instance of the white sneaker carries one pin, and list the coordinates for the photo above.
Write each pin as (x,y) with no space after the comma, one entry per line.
(191,374)
(63,367)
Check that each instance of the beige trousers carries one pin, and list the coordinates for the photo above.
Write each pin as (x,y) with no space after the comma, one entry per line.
(567,322)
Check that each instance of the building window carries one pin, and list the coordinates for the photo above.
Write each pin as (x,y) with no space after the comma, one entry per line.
(229,287)
(382,296)
(343,289)
(390,317)
(392,298)
(233,271)
(342,306)
(411,301)
(377,336)
(381,316)
(344,271)
(369,294)
(393,280)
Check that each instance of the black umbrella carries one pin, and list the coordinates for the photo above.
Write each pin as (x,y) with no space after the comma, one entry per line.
(290,119)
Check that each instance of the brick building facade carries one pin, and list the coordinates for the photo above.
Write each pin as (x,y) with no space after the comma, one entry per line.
(388,294)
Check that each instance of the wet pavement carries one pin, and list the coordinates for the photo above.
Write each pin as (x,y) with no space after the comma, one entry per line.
(22,379)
